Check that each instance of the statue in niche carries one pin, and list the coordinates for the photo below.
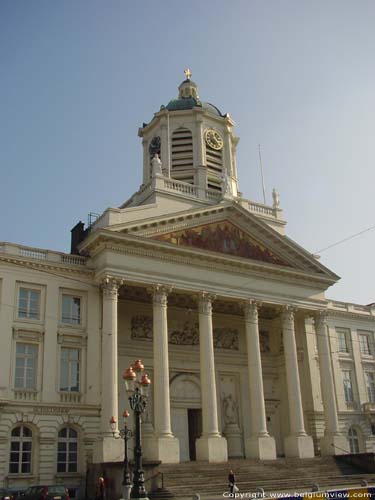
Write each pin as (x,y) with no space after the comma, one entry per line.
(230,410)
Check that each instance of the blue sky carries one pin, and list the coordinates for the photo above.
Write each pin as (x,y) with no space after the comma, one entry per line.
(78,77)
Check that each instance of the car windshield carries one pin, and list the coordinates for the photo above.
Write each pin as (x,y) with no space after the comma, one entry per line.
(56,490)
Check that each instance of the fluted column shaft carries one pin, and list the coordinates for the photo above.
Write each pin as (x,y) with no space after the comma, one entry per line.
(328,388)
(109,398)
(297,426)
(207,366)
(257,407)
(161,363)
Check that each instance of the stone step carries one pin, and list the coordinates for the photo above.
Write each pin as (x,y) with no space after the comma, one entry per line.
(277,475)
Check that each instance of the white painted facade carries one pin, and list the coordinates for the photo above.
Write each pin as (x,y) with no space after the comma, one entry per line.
(236,346)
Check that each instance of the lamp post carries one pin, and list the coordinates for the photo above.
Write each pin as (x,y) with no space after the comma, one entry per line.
(124,434)
(137,386)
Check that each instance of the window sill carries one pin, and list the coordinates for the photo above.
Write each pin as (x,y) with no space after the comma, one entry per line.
(18,475)
(72,327)
(68,475)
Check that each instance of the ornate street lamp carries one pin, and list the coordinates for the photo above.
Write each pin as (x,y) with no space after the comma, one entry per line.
(137,386)
(124,434)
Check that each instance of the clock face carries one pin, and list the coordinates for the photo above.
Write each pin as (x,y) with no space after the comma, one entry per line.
(213,139)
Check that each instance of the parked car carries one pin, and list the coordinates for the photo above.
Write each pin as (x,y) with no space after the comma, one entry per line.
(5,494)
(16,492)
(45,492)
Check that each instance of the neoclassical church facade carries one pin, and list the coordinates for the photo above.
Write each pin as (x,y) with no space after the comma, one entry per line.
(247,356)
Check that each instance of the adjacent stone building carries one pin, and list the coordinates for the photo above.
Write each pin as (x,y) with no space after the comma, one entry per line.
(247,356)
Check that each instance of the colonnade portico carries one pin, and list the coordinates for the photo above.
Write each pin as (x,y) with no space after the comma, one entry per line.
(211,445)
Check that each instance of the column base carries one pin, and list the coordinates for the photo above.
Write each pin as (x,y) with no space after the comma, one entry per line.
(212,448)
(333,444)
(262,447)
(165,449)
(108,449)
(299,446)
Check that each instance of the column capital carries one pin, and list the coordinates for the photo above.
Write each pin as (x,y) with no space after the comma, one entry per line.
(320,318)
(160,294)
(110,286)
(205,300)
(250,308)
(288,312)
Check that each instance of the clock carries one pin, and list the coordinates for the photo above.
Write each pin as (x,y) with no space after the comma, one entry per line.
(213,139)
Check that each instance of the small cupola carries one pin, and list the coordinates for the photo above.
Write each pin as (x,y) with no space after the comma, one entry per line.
(188,89)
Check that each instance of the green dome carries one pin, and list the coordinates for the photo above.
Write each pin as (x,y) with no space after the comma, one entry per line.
(188,98)
(190,103)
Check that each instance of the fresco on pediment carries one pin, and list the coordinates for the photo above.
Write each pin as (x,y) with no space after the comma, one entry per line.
(222,237)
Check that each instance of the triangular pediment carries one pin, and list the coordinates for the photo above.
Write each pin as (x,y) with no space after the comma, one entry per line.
(222,237)
(226,230)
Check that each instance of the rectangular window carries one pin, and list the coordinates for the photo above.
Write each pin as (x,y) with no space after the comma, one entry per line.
(364,344)
(69,369)
(29,303)
(71,310)
(342,336)
(370,384)
(348,386)
(26,366)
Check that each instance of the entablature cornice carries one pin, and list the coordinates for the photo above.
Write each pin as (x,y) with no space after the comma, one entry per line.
(46,266)
(133,245)
(331,313)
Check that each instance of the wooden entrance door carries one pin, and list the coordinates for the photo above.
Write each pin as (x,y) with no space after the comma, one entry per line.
(195,430)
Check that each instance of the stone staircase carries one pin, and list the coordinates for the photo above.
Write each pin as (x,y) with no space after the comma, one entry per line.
(283,474)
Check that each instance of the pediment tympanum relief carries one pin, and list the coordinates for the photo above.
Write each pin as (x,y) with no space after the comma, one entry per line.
(223,237)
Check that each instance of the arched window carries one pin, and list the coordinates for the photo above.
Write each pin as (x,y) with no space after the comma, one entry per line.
(21,441)
(353,440)
(67,450)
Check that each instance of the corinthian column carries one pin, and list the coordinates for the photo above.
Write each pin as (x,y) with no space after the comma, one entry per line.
(105,450)
(164,446)
(333,442)
(298,443)
(260,444)
(211,445)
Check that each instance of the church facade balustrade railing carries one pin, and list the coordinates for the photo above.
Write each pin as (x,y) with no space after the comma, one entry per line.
(180,187)
(40,254)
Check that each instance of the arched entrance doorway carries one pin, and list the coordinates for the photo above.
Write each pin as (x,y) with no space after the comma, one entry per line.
(186,412)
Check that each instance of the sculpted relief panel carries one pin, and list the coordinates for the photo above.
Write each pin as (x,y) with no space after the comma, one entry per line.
(224,338)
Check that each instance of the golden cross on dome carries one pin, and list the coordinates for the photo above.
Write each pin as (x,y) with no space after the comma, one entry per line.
(187,73)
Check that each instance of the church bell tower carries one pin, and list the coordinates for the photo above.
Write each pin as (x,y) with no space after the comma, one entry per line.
(191,143)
